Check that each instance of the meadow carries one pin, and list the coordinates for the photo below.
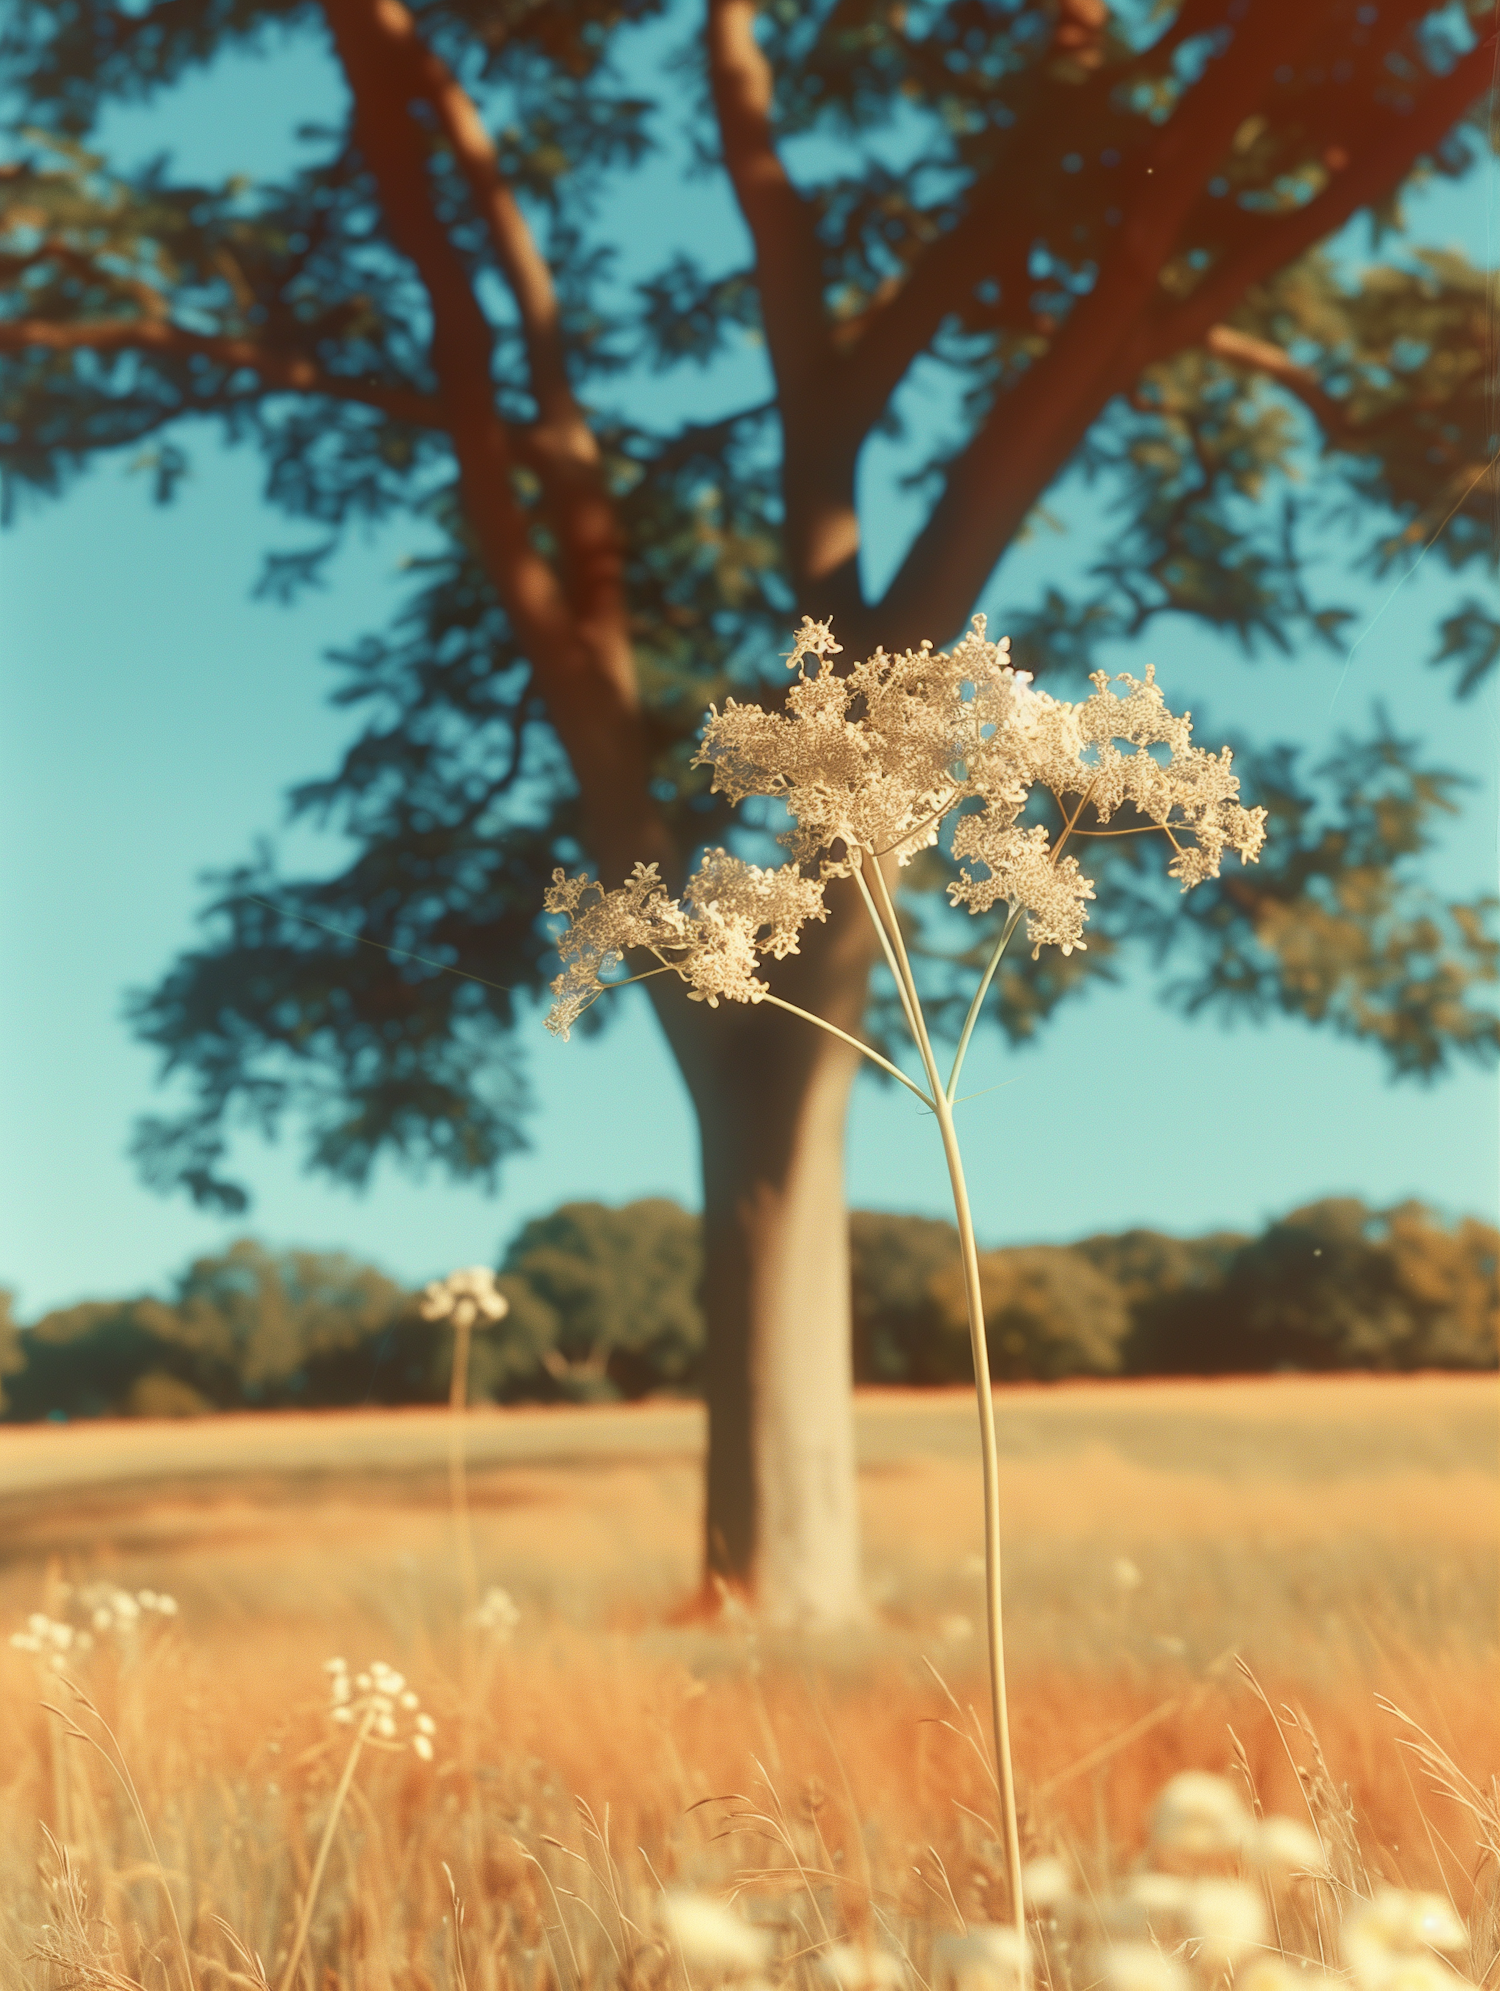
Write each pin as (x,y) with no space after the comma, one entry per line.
(1338,1537)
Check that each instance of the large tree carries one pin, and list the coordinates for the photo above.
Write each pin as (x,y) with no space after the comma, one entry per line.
(1093,234)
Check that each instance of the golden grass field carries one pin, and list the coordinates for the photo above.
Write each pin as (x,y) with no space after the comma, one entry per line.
(1340,1535)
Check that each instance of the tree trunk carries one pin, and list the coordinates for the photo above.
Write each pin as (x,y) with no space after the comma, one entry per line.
(781,1522)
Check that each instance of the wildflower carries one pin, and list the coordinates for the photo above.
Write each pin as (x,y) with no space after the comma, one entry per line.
(51,1640)
(855,1967)
(1279,1847)
(464,1297)
(711,1936)
(729,913)
(1227,1917)
(1200,1816)
(989,1957)
(1140,1967)
(375,1702)
(1385,1941)
(498,1614)
(872,763)
(1047,1884)
(1158,1896)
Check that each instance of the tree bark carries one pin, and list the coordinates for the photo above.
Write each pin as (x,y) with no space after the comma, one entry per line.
(771,1092)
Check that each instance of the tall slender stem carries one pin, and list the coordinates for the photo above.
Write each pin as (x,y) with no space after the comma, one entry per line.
(890,953)
(989,1451)
(458,1480)
(325,1846)
(979,995)
(834,1031)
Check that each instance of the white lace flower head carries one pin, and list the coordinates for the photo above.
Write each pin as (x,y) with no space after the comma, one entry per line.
(870,762)
(729,915)
(464,1297)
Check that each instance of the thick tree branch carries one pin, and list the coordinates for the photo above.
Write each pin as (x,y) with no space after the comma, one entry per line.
(788,256)
(1032,431)
(1396,141)
(580,651)
(282,372)
(524,267)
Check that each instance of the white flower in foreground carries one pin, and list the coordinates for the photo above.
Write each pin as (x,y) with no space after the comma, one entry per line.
(1200,1816)
(1046,1884)
(464,1297)
(1160,1897)
(1280,1847)
(1140,1967)
(1227,1917)
(991,1956)
(871,763)
(853,1967)
(711,1936)
(1274,1973)
(1387,1942)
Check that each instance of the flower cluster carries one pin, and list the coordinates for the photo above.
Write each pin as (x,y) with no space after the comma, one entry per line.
(498,1614)
(870,763)
(730,913)
(380,1704)
(464,1297)
(50,1639)
(95,1610)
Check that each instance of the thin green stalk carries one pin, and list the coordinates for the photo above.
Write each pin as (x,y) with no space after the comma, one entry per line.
(890,954)
(458,1485)
(834,1031)
(325,1847)
(989,1451)
(979,995)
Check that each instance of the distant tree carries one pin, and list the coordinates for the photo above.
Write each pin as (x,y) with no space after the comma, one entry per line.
(1048,1313)
(902,1333)
(246,1329)
(610,1304)
(12,1359)
(1094,231)
(1338,1286)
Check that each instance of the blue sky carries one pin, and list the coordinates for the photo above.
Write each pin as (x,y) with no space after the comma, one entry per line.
(152,715)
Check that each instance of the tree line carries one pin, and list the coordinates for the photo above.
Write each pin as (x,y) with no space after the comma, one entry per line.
(604,1305)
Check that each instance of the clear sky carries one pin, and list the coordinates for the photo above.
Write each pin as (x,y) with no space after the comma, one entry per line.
(152,716)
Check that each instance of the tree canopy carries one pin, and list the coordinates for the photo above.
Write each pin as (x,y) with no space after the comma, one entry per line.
(1099,235)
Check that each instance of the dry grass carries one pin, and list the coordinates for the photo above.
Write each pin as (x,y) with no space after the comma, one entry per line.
(1343,1536)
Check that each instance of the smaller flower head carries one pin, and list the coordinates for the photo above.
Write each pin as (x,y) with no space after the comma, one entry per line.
(380,1705)
(498,1614)
(464,1297)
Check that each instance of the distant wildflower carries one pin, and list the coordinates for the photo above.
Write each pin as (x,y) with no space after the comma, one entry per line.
(498,1613)
(711,1936)
(380,1704)
(95,1611)
(870,763)
(465,1297)
(50,1640)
